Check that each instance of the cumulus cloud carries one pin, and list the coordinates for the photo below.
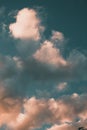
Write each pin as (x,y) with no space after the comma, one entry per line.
(45,59)
(9,110)
(22,77)
(50,55)
(51,111)
(27,25)
(37,112)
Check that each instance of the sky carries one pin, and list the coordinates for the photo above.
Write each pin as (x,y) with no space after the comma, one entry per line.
(43,64)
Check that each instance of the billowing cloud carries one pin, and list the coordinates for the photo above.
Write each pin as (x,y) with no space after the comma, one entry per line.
(34,113)
(50,55)
(27,25)
(9,110)
(45,59)
(23,77)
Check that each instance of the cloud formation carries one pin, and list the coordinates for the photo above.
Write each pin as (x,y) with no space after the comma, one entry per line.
(38,67)
(9,110)
(27,25)
(50,55)
(57,36)
(34,113)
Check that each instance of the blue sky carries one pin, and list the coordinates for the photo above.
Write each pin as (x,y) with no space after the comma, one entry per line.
(43,64)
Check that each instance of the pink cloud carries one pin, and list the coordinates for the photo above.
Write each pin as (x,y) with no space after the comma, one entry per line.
(50,55)
(27,25)
(9,110)
(41,111)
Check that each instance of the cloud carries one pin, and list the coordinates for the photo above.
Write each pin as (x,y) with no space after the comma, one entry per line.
(37,112)
(37,67)
(7,67)
(78,63)
(50,55)
(27,25)
(62,127)
(45,60)
(24,76)
(69,126)
(62,86)
(57,36)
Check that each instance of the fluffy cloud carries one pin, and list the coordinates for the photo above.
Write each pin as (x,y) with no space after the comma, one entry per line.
(45,60)
(9,110)
(27,25)
(50,55)
(38,112)
(23,77)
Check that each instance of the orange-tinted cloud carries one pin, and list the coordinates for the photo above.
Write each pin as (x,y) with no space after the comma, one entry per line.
(50,55)
(41,111)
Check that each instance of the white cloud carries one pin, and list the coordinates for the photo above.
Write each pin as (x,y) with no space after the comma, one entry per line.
(27,25)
